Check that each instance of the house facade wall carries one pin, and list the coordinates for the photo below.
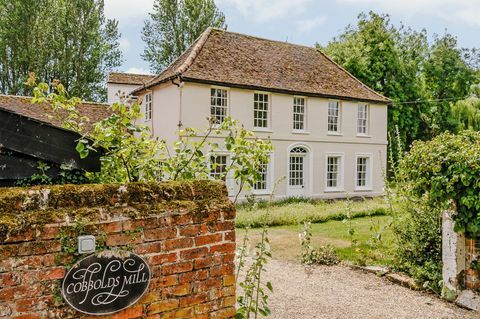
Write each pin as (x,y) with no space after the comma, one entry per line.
(113,90)
(190,105)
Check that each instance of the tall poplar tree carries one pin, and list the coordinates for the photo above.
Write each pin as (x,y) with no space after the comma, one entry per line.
(173,26)
(70,41)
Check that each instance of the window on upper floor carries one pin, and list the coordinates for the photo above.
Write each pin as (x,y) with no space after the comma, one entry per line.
(334,172)
(218,104)
(260,110)
(148,106)
(218,167)
(334,117)
(362,119)
(363,172)
(299,114)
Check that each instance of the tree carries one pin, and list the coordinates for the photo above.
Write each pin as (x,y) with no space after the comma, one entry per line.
(447,76)
(467,112)
(173,26)
(71,41)
(399,63)
(388,60)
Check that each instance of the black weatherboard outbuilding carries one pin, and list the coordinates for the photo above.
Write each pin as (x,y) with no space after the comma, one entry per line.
(27,139)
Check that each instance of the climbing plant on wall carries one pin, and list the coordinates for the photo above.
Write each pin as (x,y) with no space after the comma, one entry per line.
(445,171)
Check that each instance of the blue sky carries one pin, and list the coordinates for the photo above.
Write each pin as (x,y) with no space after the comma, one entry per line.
(305,21)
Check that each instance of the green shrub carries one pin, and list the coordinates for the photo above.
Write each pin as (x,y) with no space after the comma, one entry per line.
(323,255)
(445,171)
(434,176)
(418,248)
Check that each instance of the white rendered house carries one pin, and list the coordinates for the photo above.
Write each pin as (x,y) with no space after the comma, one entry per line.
(328,129)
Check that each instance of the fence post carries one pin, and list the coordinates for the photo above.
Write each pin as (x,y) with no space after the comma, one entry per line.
(453,257)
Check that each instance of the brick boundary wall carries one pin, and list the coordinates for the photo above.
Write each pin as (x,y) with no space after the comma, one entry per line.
(472,253)
(185,232)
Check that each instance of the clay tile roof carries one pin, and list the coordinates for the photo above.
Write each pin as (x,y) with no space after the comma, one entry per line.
(237,60)
(129,78)
(22,105)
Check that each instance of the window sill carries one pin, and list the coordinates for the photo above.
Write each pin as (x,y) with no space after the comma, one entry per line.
(335,133)
(334,190)
(364,135)
(361,189)
(262,130)
(300,132)
(261,192)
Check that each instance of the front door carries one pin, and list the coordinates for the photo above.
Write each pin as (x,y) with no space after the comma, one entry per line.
(297,175)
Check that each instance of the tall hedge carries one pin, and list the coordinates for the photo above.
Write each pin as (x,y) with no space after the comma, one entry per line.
(435,175)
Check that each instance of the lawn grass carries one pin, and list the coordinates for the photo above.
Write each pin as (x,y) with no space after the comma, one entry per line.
(285,243)
(294,211)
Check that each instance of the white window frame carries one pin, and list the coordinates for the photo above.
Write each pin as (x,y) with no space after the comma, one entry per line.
(305,112)
(341,175)
(368,179)
(366,113)
(227,161)
(229,181)
(226,99)
(269,111)
(148,106)
(339,118)
(269,179)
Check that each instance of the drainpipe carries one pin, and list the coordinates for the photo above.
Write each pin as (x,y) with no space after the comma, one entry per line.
(179,84)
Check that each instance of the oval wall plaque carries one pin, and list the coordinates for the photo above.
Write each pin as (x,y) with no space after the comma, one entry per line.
(106,282)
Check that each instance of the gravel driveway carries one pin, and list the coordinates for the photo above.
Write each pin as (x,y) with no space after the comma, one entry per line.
(340,292)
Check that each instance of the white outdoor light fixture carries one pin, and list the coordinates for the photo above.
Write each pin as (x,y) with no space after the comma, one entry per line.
(86,244)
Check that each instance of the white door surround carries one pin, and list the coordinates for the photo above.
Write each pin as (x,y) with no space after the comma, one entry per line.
(298,178)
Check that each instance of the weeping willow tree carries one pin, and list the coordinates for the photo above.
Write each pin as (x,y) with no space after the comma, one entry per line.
(467,112)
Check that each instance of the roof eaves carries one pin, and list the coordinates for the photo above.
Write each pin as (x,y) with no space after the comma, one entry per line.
(284,91)
(387,100)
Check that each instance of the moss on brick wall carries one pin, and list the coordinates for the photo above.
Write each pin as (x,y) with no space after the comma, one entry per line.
(24,208)
(185,231)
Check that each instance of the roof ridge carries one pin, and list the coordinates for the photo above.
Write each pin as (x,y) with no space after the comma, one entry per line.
(351,75)
(265,39)
(197,47)
(197,44)
(145,74)
(82,102)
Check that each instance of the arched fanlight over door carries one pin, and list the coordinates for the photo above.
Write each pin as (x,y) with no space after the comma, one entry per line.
(297,167)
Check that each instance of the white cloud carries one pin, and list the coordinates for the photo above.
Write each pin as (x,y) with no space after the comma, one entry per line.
(132,10)
(470,17)
(266,10)
(461,11)
(307,25)
(124,43)
(138,71)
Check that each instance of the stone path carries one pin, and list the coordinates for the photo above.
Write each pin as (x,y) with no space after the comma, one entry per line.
(340,292)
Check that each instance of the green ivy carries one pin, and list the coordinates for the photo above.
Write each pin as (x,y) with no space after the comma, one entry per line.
(67,175)
(445,172)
